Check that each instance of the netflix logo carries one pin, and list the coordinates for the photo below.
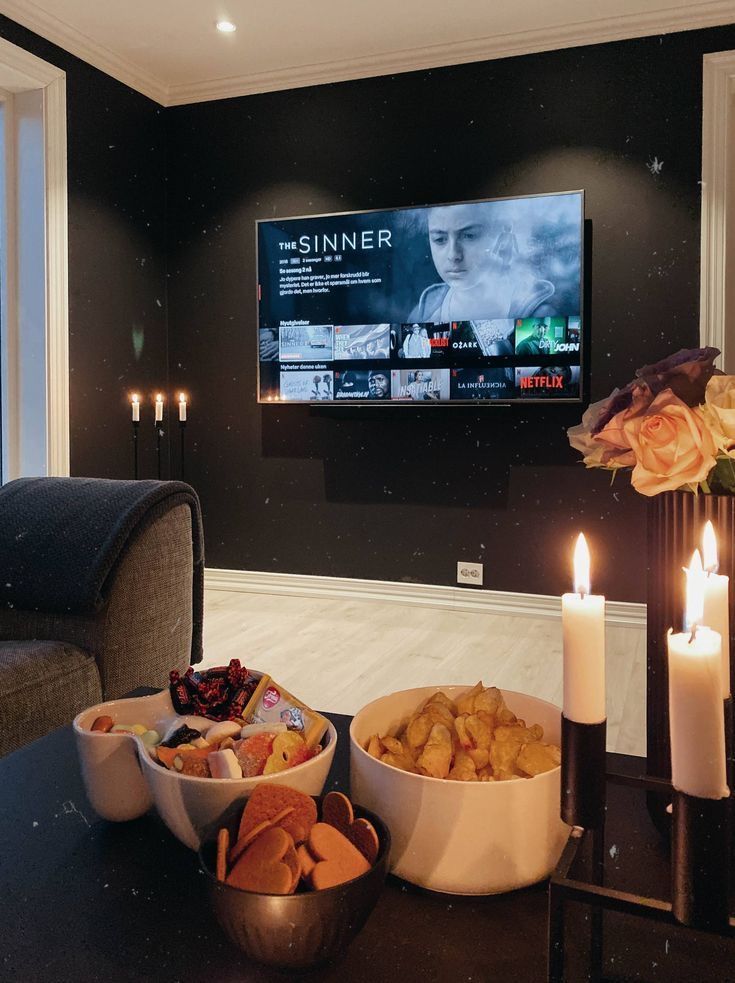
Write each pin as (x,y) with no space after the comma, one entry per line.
(542,382)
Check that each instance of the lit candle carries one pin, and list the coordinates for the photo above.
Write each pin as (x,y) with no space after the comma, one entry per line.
(583,624)
(716,603)
(182,408)
(135,405)
(159,408)
(696,721)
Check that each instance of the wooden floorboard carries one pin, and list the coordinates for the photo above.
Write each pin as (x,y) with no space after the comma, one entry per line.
(339,654)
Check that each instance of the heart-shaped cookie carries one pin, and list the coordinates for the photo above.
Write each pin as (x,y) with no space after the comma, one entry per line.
(268,864)
(337,811)
(268,800)
(337,860)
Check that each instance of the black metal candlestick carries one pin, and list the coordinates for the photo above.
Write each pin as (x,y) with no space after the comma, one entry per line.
(700,861)
(159,435)
(136,427)
(583,773)
(182,428)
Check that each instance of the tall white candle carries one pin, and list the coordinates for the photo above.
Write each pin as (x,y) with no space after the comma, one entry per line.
(717,603)
(583,625)
(135,405)
(696,720)
(182,408)
(159,408)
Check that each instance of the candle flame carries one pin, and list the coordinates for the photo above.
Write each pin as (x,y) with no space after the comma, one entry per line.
(159,398)
(709,549)
(182,397)
(695,592)
(581,566)
(135,398)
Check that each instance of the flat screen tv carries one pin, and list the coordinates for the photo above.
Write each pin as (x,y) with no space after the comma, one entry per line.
(473,302)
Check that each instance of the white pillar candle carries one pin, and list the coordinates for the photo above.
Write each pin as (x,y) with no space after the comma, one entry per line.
(182,408)
(159,408)
(583,625)
(135,405)
(696,720)
(717,603)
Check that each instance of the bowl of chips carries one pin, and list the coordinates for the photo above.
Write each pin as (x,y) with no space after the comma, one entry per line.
(295,904)
(468,781)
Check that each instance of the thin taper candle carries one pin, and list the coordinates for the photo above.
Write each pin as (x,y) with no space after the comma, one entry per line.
(583,624)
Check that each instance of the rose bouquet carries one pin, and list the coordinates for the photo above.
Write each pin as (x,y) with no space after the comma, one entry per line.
(674,425)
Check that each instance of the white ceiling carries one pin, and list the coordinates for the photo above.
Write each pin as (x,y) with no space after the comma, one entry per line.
(170,50)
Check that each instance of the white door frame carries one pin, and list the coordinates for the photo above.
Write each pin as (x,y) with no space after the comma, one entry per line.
(717,161)
(20,71)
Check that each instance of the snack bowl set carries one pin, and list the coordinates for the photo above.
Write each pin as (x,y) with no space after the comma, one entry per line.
(123,781)
(460,837)
(296,931)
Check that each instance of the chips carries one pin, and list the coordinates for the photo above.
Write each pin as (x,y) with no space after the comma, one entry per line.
(476,738)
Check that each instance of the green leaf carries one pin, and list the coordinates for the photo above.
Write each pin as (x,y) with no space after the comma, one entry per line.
(722,476)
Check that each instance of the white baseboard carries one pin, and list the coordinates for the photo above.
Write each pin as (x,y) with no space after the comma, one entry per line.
(625,613)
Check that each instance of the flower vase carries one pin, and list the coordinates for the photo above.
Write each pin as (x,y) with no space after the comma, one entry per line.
(675,524)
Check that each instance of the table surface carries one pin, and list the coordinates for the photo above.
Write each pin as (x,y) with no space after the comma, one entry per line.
(87,900)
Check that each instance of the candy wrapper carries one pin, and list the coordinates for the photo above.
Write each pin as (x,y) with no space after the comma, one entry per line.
(273,704)
(222,693)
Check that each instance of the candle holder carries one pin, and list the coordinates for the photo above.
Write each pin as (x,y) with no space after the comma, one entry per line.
(581,878)
(182,430)
(729,751)
(159,436)
(136,427)
(700,861)
(583,773)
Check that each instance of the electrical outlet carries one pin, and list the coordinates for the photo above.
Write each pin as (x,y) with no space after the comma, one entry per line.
(469,573)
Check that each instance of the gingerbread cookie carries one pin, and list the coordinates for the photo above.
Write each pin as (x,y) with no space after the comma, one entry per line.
(337,859)
(337,811)
(268,800)
(267,866)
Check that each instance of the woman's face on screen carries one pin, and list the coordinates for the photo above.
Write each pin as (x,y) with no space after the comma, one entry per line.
(460,244)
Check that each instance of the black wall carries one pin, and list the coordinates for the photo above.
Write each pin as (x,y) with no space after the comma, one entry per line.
(117,284)
(162,206)
(402,495)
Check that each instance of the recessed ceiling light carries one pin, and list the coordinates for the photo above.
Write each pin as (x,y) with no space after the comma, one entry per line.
(226,26)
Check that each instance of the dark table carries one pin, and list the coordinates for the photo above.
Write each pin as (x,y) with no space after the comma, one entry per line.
(86,900)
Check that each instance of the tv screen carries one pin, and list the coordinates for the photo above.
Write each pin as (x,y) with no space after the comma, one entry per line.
(474,302)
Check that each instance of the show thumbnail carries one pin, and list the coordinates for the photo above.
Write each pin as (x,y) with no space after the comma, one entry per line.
(355,341)
(547,336)
(471,339)
(486,383)
(419,385)
(372,384)
(539,382)
(305,343)
(268,344)
(306,386)
(422,340)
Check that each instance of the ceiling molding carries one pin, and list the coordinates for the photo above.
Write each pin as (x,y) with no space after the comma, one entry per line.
(666,20)
(58,32)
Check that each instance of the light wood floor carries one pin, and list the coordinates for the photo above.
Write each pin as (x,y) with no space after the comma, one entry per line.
(339,654)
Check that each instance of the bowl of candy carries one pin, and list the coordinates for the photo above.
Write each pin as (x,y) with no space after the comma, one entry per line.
(468,781)
(198,746)
(292,878)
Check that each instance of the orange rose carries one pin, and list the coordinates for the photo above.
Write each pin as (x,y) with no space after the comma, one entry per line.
(608,447)
(672,445)
(719,411)
(613,438)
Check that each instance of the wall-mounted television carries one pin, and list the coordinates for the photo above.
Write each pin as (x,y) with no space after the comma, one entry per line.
(471,302)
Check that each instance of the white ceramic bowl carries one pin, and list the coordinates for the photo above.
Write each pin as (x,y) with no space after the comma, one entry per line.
(123,781)
(460,837)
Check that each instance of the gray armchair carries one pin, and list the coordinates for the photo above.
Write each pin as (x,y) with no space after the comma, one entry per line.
(54,665)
